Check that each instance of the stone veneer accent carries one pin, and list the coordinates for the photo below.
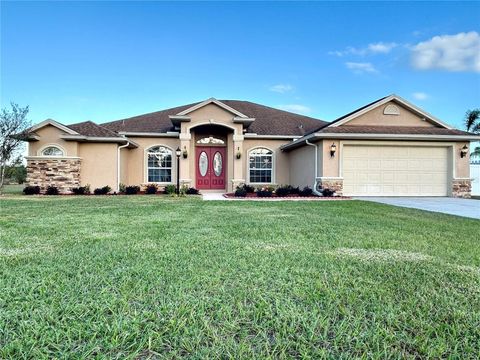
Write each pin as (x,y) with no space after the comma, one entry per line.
(461,188)
(332,184)
(62,173)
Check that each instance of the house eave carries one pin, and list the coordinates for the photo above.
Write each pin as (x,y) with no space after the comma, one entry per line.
(170,134)
(424,137)
(99,139)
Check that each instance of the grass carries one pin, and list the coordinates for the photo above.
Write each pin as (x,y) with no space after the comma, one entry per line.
(150,277)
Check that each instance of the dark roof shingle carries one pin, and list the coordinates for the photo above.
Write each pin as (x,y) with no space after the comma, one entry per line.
(401,130)
(89,128)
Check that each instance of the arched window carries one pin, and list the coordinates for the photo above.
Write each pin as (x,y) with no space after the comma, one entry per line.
(52,151)
(159,167)
(260,166)
(210,141)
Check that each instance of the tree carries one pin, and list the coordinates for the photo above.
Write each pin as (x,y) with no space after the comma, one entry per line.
(13,122)
(472,123)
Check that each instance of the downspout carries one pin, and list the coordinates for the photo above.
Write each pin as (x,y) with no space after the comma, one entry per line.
(118,164)
(316,169)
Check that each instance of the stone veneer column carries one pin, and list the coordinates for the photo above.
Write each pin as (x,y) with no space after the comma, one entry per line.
(62,173)
(462,188)
(334,184)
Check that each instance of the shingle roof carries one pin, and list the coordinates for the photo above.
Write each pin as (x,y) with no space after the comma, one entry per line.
(268,121)
(402,130)
(89,128)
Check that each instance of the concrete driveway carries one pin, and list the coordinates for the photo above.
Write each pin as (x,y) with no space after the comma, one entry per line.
(461,207)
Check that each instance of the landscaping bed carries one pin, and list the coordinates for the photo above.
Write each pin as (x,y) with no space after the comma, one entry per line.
(254,196)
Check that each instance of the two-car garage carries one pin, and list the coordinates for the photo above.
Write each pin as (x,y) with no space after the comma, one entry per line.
(385,170)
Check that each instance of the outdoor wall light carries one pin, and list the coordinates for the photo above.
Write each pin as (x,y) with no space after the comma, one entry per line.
(185,152)
(464,151)
(333,149)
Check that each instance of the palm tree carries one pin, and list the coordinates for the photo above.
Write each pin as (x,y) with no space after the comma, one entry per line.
(472,123)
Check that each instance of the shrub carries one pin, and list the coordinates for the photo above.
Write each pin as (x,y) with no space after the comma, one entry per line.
(170,189)
(283,190)
(31,190)
(151,189)
(102,191)
(307,191)
(264,192)
(240,192)
(52,190)
(122,188)
(248,188)
(327,192)
(192,191)
(82,190)
(132,190)
(294,190)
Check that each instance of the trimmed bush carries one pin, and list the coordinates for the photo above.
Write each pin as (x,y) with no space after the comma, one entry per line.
(248,188)
(132,190)
(264,193)
(102,191)
(307,191)
(151,189)
(122,188)
(283,190)
(240,192)
(82,190)
(31,190)
(294,190)
(327,192)
(52,190)
(170,189)
(192,191)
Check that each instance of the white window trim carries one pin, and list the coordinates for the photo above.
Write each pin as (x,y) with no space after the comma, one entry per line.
(173,168)
(43,148)
(272,182)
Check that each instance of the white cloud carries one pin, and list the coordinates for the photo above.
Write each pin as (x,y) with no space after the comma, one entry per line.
(373,48)
(281,88)
(420,96)
(381,47)
(360,68)
(296,108)
(460,52)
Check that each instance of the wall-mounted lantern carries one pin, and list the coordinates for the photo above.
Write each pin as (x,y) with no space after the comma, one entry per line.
(464,151)
(333,149)
(185,152)
(239,154)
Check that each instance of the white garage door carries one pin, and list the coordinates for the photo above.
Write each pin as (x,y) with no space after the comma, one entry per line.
(395,170)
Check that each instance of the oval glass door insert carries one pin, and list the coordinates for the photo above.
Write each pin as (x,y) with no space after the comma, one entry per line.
(217,164)
(203,163)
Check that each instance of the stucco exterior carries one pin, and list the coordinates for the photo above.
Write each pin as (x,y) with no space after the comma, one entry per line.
(101,162)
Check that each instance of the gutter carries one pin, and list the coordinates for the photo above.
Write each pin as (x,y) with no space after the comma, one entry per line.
(316,169)
(118,163)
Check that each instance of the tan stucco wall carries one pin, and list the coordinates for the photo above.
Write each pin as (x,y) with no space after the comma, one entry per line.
(99,165)
(376,117)
(50,135)
(302,166)
(136,173)
(330,165)
(281,159)
(462,165)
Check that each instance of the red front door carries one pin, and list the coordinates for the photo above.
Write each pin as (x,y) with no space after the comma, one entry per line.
(211,164)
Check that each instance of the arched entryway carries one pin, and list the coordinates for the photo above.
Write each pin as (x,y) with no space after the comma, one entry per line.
(211,142)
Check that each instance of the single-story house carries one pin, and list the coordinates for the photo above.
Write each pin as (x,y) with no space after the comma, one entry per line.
(389,147)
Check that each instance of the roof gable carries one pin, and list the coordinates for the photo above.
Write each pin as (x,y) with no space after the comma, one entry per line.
(54,123)
(211,101)
(392,98)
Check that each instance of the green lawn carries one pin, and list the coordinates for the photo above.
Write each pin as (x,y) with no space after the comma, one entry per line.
(146,276)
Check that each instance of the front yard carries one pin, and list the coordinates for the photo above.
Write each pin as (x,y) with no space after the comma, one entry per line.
(147,276)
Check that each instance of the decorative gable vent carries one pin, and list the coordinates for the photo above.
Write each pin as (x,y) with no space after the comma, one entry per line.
(391,110)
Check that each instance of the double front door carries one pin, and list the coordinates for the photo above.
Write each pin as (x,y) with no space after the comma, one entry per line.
(211,165)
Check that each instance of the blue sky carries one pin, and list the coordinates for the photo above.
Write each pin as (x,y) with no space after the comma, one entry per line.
(101,61)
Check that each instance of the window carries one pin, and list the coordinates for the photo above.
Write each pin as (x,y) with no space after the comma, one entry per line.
(211,141)
(159,164)
(52,151)
(260,166)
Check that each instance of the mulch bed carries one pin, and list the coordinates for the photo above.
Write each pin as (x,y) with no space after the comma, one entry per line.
(288,197)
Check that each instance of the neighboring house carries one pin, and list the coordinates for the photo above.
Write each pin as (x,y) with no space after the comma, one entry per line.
(387,148)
